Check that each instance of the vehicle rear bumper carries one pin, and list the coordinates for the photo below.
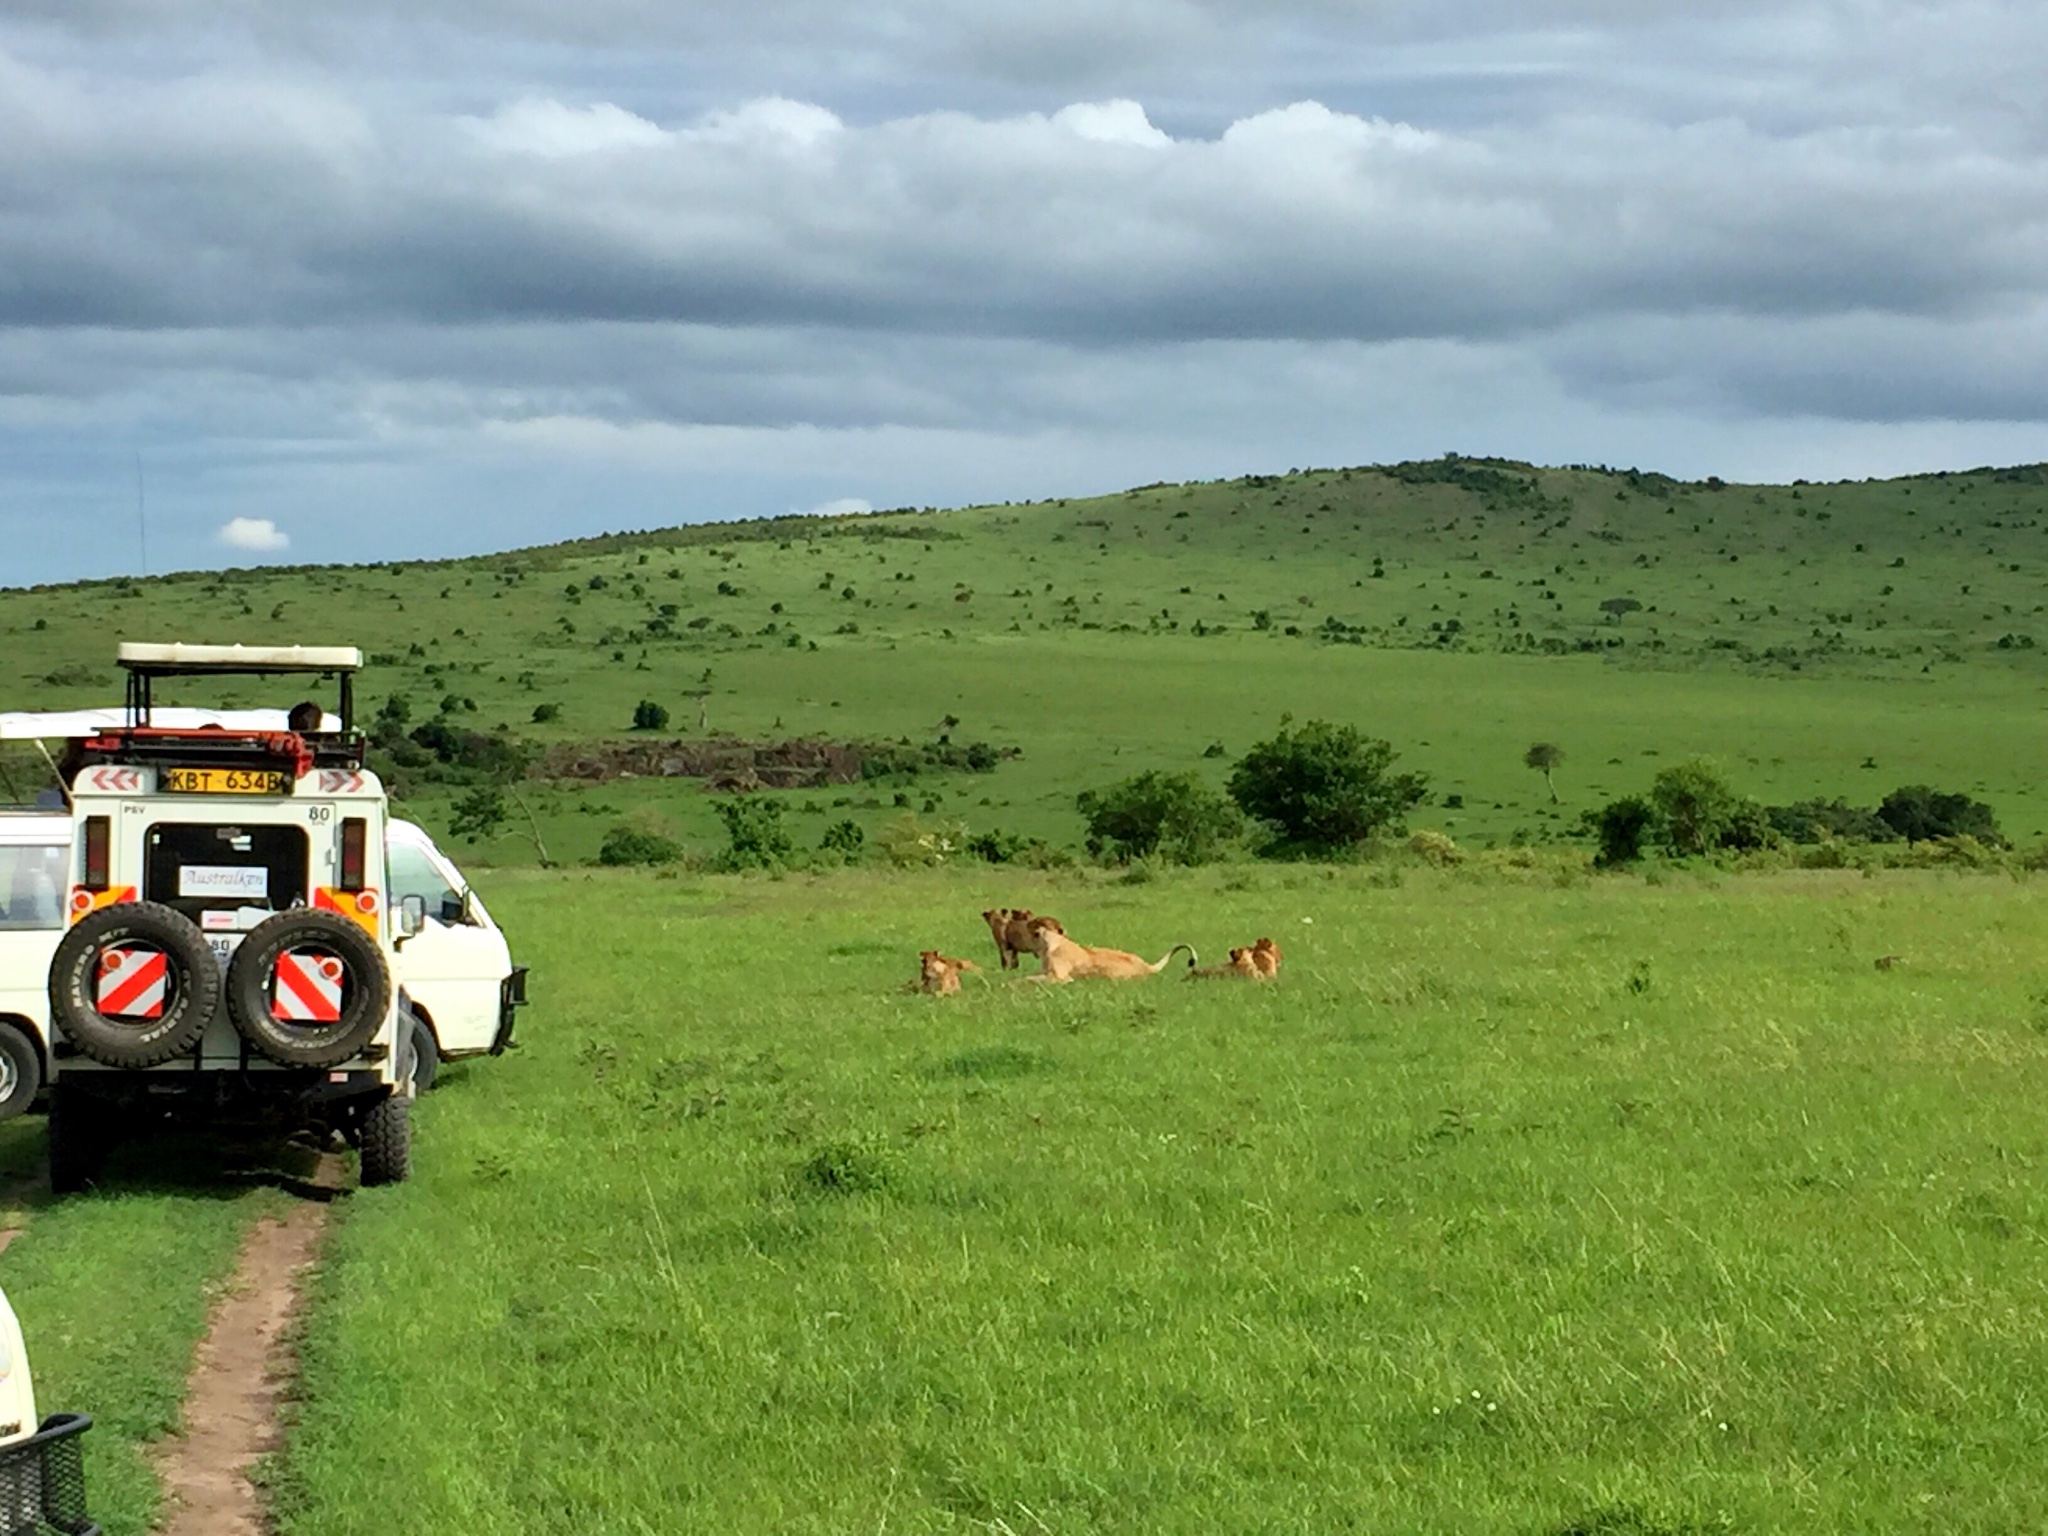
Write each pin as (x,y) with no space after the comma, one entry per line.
(42,1479)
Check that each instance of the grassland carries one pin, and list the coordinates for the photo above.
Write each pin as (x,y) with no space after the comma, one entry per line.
(1838,639)
(1725,1228)
(112,1291)
(1521,1201)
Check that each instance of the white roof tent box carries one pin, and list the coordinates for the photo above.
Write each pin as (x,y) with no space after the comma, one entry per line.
(65,724)
(145,663)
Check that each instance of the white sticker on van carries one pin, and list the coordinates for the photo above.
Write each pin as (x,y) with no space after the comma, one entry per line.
(216,880)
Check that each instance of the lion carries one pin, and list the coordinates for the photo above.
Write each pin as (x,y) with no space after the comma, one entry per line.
(1011,929)
(941,973)
(1265,957)
(1062,959)
(1241,968)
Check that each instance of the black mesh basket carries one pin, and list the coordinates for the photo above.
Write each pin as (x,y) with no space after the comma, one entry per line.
(42,1481)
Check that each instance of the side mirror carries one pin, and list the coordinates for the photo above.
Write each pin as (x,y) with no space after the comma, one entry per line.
(412,915)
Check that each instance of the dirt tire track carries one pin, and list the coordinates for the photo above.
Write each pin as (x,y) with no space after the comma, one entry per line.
(239,1374)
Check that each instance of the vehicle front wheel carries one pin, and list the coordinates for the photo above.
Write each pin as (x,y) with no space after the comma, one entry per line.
(387,1141)
(21,1071)
(426,1056)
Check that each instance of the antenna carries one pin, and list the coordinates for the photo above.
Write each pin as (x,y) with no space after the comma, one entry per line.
(141,514)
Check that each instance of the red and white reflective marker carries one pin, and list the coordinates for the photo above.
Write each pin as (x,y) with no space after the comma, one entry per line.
(308,988)
(133,983)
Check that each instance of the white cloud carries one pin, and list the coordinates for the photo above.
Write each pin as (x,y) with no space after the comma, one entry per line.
(257,534)
(1111,122)
(536,126)
(845,506)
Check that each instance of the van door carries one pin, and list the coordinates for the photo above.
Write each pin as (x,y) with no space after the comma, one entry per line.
(456,964)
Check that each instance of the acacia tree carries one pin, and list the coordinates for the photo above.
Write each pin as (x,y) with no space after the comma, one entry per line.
(1543,756)
(1324,787)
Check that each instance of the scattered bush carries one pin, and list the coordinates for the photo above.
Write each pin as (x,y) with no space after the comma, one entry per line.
(626,844)
(999,847)
(1700,812)
(756,837)
(848,1168)
(649,716)
(1437,848)
(1921,814)
(1814,821)
(543,713)
(1324,787)
(842,838)
(1625,828)
(909,844)
(1172,815)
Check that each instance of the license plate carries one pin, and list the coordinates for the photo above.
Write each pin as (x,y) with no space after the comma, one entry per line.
(226,781)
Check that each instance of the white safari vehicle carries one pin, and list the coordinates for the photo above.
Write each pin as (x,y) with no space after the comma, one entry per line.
(228,947)
(35,866)
(42,1476)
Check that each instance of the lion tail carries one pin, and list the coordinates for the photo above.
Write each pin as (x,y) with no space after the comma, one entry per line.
(1193,961)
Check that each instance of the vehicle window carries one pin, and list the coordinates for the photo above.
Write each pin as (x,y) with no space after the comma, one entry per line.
(32,886)
(198,867)
(412,873)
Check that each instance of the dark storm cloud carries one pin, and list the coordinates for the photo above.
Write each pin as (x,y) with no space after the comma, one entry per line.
(804,250)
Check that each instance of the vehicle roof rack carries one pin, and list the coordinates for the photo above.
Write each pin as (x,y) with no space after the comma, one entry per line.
(258,660)
(144,663)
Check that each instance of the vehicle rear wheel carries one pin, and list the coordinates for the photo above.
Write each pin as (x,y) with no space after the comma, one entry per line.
(308,988)
(387,1141)
(80,1133)
(134,984)
(21,1071)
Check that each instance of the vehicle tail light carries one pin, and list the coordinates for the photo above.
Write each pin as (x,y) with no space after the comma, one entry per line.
(354,843)
(98,842)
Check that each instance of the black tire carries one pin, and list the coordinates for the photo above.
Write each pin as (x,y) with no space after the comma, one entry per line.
(192,985)
(365,993)
(387,1141)
(80,1132)
(21,1071)
(426,1055)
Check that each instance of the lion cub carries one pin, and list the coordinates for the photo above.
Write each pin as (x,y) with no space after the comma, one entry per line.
(942,972)
(1011,929)
(1254,962)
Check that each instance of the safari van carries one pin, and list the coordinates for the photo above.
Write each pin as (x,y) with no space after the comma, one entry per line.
(227,949)
(35,861)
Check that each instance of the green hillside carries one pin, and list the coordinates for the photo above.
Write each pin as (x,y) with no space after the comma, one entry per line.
(1820,639)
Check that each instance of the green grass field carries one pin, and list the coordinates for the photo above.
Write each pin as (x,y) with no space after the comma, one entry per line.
(1800,633)
(1521,1200)
(1528,1202)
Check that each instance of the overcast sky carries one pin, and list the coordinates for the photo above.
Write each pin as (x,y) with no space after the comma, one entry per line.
(367,280)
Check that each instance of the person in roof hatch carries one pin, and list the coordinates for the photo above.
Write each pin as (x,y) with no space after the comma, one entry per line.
(304,717)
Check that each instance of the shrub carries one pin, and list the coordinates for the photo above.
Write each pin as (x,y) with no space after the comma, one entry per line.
(1437,848)
(649,716)
(1813,821)
(1695,806)
(910,844)
(1920,814)
(543,713)
(1173,815)
(843,838)
(1625,827)
(756,838)
(637,845)
(1324,786)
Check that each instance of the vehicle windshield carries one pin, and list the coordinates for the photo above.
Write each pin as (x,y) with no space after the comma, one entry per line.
(32,880)
(412,872)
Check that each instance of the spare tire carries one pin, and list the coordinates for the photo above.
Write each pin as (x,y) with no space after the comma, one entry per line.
(308,988)
(134,984)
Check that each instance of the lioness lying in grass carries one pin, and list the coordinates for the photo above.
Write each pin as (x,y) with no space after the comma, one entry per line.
(1064,960)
